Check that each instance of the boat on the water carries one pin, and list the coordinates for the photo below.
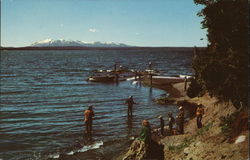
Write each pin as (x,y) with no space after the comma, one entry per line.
(150,72)
(185,76)
(101,78)
(111,75)
(167,80)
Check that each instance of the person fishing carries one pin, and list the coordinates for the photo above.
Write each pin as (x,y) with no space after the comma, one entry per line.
(161,124)
(181,120)
(130,103)
(88,118)
(199,114)
(170,122)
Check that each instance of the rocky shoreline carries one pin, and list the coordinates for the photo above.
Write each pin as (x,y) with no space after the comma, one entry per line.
(215,140)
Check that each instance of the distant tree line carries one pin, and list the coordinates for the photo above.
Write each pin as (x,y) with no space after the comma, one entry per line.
(222,68)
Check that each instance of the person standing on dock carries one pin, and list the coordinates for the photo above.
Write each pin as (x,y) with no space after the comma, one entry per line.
(181,120)
(170,122)
(199,114)
(150,72)
(116,73)
(136,74)
(150,65)
(88,118)
(115,67)
(130,102)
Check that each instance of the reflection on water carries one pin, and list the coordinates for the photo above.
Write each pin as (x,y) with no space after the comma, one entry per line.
(44,94)
(130,124)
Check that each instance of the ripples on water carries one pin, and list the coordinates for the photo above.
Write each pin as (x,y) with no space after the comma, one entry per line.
(44,93)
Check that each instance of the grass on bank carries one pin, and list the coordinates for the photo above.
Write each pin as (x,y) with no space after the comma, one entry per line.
(187,141)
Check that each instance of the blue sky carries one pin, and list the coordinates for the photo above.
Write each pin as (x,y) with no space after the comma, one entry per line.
(133,22)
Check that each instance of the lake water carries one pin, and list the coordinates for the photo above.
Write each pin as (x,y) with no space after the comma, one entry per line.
(44,94)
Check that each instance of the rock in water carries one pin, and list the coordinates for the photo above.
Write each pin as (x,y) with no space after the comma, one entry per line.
(137,151)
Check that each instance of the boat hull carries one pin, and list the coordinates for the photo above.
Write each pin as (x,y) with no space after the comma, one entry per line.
(167,80)
(101,79)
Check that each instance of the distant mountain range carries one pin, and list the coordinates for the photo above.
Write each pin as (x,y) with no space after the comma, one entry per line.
(66,43)
(49,44)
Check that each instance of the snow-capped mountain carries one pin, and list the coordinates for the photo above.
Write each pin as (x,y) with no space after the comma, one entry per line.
(62,42)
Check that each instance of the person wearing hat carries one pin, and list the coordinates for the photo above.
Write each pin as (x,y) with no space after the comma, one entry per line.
(181,120)
(199,114)
(161,124)
(170,122)
(130,103)
(145,134)
(88,118)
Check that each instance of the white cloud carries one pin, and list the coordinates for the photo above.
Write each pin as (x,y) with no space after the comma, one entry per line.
(137,33)
(61,25)
(93,30)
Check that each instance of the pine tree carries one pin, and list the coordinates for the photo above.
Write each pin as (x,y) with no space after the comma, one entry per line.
(222,68)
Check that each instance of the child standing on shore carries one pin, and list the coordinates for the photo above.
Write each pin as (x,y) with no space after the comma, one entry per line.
(170,122)
(199,114)
(181,120)
(161,124)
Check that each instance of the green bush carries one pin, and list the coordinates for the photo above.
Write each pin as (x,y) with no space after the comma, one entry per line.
(221,69)
(178,148)
(194,89)
(205,128)
(227,123)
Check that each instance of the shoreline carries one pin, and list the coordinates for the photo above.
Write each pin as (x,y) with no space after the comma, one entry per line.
(176,92)
(197,143)
(209,142)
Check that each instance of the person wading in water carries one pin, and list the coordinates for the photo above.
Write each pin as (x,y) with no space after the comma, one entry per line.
(130,103)
(88,118)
